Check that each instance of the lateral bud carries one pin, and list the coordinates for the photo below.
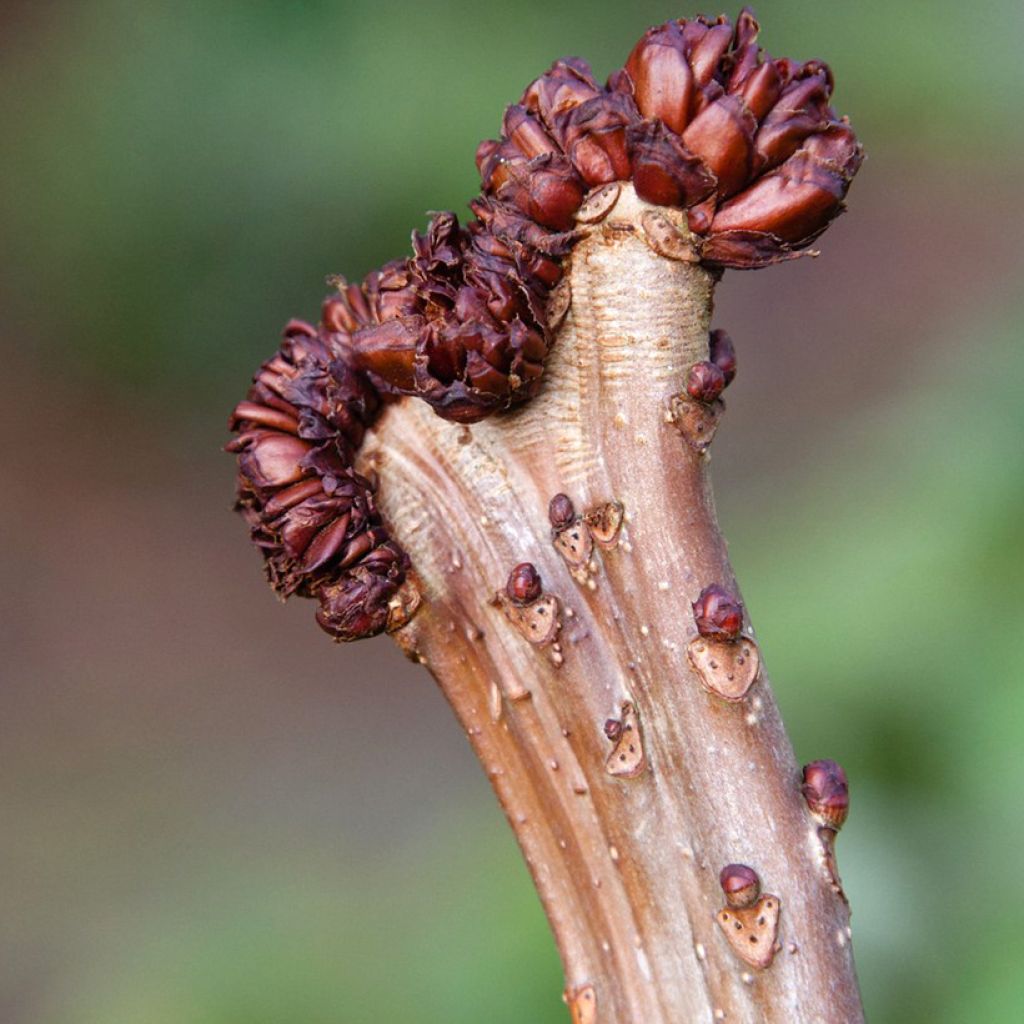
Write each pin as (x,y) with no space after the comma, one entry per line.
(705,382)
(749,921)
(718,613)
(726,662)
(723,354)
(828,798)
(571,537)
(827,793)
(627,759)
(524,584)
(740,884)
(535,615)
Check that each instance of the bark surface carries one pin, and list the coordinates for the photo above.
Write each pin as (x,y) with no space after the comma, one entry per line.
(626,864)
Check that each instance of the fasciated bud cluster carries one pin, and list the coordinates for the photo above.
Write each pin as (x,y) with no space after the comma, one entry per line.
(718,613)
(312,516)
(460,324)
(699,118)
(827,793)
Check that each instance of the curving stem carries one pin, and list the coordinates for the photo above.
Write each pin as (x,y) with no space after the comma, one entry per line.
(634,758)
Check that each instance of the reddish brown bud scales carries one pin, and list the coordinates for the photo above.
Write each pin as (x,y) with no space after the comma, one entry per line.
(723,354)
(705,382)
(699,118)
(827,793)
(524,584)
(718,613)
(561,511)
(698,112)
(313,517)
(460,324)
(740,884)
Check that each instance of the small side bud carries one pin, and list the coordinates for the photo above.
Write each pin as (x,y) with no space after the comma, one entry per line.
(827,794)
(627,760)
(723,354)
(613,729)
(740,884)
(705,382)
(749,921)
(524,584)
(718,614)
(561,511)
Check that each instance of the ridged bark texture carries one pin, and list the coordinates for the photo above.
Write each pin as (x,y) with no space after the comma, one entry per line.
(626,863)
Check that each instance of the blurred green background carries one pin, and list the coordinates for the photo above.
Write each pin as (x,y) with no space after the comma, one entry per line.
(208,813)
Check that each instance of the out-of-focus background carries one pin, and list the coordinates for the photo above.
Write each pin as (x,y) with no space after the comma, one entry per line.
(211,815)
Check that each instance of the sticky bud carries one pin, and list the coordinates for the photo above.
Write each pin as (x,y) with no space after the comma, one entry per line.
(561,511)
(740,885)
(827,794)
(524,584)
(723,354)
(718,614)
(705,382)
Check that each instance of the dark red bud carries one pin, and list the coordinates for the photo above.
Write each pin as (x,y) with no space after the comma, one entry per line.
(546,189)
(662,78)
(613,729)
(524,584)
(761,90)
(795,202)
(595,137)
(388,351)
(528,134)
(561,511)
(722,135)
(337,317)
(826,791)
(664,171)
(356,606)
(559,91)
(802,108)
(705,382)
(718,614)
(272,459)
(723,354)
(740,885)
(707,53)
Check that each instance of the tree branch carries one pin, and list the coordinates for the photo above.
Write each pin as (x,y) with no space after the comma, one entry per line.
(546,544)
(627,866)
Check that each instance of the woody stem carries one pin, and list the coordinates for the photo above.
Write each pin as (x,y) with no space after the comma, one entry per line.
(626,866)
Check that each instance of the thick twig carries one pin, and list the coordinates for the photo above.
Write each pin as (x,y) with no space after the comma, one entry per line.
(625,845)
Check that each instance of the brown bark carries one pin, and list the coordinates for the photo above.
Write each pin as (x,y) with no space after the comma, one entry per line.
(626,864)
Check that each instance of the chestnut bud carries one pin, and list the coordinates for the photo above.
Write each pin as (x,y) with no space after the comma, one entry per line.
(705,382)
(718,614)
(561,511)
(523,586)
(827,794)
(723,354)
(740,885)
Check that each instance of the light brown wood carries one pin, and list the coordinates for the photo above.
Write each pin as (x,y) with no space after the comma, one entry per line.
(626,864)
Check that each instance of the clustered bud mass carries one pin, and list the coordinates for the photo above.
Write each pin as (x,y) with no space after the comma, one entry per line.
(699,118)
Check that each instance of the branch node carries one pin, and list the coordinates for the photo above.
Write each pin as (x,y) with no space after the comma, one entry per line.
(627,759)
